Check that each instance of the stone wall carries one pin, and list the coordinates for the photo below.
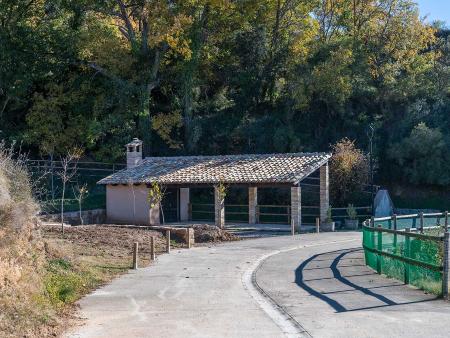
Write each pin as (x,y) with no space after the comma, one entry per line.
(96,216)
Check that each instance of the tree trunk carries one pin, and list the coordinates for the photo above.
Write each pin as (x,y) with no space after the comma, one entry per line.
(62,205)
(81,217)
(162,213)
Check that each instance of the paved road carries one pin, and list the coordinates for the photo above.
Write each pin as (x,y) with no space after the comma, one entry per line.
(252,288)
(333,294)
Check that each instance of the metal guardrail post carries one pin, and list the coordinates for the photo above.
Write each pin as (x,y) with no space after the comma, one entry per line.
(135,255)
(394,219)
(407,254)
(380,248)
(446,274)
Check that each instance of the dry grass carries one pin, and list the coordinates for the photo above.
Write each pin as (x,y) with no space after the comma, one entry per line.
(22,258)
(42,272)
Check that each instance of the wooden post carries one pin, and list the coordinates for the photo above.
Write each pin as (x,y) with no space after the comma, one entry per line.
(152,248)
(407,254)
(317,224)
(135,255)
(446,272)
(188,237)
(168,241)
(380,248)
(446,221)
(421,222)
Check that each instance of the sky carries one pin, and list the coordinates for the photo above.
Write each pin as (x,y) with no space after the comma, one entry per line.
(435,9)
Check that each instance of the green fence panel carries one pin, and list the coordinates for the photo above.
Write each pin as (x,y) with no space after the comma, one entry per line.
(399,250)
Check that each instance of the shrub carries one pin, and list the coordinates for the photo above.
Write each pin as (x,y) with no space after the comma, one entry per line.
(349,171)
(351,212)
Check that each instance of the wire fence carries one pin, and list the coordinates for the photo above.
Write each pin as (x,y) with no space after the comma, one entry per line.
(49,191)
(415,255)
(270,214)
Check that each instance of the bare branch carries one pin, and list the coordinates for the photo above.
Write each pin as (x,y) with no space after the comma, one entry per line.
(124,16)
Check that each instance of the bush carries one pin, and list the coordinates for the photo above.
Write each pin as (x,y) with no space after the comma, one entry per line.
(349,171)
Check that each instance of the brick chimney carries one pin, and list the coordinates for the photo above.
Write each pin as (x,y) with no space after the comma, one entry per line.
(134,153)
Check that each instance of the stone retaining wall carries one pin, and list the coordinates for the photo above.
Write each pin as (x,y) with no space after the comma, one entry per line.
(96,216)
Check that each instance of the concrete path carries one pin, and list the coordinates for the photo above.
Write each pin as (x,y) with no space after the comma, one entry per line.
(252,288)
(333,294)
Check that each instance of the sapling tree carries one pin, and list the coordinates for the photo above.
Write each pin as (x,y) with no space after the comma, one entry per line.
(351,212)
(80,193)
(329,218)
(155,197)
(66,174)
(221,191)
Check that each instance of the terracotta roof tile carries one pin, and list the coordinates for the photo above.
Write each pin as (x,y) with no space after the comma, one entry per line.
(255,168)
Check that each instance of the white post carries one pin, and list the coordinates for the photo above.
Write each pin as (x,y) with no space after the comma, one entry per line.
(296,208)
(219,208)
(184,204)
(324,192)
(252,204)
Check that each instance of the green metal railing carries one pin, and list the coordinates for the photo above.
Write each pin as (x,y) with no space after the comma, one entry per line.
(418,256)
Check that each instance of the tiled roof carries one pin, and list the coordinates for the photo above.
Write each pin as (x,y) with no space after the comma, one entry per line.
(247,169)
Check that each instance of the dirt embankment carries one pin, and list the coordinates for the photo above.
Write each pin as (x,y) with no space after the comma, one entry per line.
(43,272)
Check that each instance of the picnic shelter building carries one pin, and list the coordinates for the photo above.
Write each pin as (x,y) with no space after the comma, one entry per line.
(127,190)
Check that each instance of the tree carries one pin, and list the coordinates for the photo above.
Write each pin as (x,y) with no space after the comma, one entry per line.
(348,171)
(155,197)
(66,174)
(215,77)
(147,35)
(422,157)
(80,193)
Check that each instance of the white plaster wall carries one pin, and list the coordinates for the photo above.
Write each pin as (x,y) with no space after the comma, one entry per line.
(119,204)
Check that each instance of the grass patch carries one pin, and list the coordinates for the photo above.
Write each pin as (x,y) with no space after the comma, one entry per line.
(64,283)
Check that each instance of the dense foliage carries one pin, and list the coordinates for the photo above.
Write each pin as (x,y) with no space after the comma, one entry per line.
(211,77)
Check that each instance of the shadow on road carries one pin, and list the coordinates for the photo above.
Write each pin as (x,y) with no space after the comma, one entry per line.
(350,286)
